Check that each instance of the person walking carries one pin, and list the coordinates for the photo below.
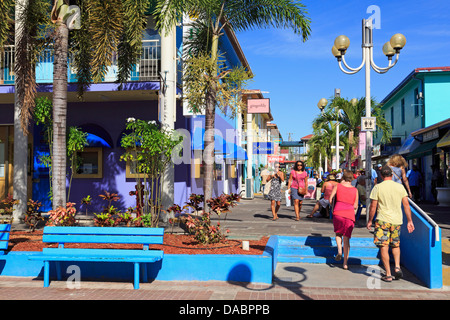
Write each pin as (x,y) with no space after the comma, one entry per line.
(344,214)
(324,203)
(275,191)
(387,199)
(398,165)
(415,180)
(297,184)
(436,181)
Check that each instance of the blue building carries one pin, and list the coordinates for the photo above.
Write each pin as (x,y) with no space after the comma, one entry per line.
(103,115)
(418,110)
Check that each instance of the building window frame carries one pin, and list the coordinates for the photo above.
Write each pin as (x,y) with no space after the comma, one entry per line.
(99,173)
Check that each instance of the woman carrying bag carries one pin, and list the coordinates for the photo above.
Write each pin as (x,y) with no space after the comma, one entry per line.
(298,182)
(274,195)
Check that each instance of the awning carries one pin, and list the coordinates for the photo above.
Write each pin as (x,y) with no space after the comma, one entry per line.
(409,145)
(96,141)
(198,142)
(445,141)
(235,152)
(423,150)
(97,136)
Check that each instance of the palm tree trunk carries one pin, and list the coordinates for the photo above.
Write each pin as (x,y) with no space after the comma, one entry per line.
(210,114)
(60,115)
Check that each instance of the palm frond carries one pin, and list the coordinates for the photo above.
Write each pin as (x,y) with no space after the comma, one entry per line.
(286,14)
(130,46)
(6,22)
(106,26)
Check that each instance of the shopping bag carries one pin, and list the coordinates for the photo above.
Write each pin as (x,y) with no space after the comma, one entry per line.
(288,198)
(267,188)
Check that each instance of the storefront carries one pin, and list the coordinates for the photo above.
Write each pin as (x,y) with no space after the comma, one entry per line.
(434,150)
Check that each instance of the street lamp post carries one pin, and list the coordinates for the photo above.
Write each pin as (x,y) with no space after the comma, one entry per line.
(391,48)
(321,105)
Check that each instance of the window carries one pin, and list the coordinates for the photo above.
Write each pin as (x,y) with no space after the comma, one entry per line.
(392,117)
(416,102)
(90,163)
(403,110)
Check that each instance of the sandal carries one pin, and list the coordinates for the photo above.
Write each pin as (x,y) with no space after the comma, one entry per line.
(338,257)
(274,219)
(386,278)
(398,273)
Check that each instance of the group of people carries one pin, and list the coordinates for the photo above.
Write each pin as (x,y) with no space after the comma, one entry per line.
(387,197)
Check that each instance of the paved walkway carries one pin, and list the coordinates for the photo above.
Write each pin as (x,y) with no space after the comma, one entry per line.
(251,219)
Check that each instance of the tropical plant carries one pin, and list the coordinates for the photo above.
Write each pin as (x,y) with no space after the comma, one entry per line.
(33,216)
(203,230)
(7,209)
(86,201)
(76,141)
(105,219)
(149,150)
(109,197)
(194,202)
(211,19)
(63,216)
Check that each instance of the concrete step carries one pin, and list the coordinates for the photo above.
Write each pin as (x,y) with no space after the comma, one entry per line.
(315,249)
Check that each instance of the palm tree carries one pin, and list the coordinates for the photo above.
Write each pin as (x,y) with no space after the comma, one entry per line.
(239,15)
(107,26)
(320,144)
(349,114)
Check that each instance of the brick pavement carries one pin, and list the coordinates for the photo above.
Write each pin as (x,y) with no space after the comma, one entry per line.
(12,288)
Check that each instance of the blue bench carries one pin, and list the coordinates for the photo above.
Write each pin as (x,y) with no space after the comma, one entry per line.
(4,237)
(109,235)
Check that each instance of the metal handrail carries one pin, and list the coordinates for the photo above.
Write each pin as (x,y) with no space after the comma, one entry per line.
(426,217)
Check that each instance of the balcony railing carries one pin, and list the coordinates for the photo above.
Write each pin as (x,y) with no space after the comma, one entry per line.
(147,69)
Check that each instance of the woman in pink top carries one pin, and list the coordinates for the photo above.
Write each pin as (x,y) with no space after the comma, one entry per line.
(297,179)
(324,203)
(344,214)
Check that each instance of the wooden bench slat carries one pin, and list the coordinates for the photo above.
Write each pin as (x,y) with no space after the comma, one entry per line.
(3,245)
(103,239)
(56,254)
(4,236)
(105,252)
(5,227)
(105,231)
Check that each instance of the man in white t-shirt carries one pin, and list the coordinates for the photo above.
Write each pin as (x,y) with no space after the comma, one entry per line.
(388,197)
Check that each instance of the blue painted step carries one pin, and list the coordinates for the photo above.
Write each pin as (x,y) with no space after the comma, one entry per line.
(313,249)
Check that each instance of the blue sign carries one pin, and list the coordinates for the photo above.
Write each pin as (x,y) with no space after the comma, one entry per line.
(263,148)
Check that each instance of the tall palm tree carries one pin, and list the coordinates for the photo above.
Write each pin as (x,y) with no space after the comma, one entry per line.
(320,144)
(349,114)
(239,15)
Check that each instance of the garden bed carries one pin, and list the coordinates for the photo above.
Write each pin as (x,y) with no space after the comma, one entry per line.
(173,244)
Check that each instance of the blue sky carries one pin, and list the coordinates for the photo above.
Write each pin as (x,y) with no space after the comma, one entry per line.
(298,74)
